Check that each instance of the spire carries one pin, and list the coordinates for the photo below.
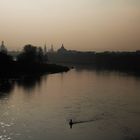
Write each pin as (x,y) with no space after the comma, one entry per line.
(45,49)
(51,46)
(51,50)
(62,46)
(2,47)
(62,49)
(2,43)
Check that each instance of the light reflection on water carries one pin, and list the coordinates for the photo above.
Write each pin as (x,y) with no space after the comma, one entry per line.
(106,105)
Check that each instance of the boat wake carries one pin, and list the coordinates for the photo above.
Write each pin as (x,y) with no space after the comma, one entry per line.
(96,118)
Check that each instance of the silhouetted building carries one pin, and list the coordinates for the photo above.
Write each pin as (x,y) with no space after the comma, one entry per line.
(45,57)
(45,49)
(51,49)
(138,51)
(62,49)
(3,48)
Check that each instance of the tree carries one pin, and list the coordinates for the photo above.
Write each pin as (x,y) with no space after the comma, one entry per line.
(28,55)
(31,54)
(40,55)
(4,58)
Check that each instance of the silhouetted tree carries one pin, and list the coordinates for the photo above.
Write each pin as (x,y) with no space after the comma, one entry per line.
(29,54)
(4,58)
(45,58)
(32,54)
(40,55)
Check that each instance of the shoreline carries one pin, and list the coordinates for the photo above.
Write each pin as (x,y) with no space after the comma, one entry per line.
(19,70)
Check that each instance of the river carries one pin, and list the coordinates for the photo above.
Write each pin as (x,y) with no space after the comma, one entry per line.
(105,105)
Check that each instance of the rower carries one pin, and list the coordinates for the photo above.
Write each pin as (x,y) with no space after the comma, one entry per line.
(70,123)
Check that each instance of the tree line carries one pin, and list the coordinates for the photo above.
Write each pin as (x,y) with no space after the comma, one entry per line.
(124,61)
(31,61)
(29,54)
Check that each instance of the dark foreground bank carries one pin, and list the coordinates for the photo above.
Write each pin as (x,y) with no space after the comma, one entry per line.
(18,69)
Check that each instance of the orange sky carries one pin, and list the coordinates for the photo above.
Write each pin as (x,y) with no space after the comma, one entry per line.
(80,24)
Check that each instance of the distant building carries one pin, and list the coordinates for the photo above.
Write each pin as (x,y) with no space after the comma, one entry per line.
(62,49)
(138,51)
(3,48)
(45,57)
(45,49)
(51,50)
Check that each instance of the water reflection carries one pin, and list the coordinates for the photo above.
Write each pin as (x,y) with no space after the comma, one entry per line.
(29,82)
(106,73)
(97,103)
(6,86)
(80,68)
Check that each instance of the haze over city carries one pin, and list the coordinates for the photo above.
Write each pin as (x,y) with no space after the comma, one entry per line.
(87,25)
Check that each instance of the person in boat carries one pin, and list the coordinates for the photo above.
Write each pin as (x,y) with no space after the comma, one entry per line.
(71,123)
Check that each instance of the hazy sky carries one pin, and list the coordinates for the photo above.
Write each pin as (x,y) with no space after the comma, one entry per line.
(79,24)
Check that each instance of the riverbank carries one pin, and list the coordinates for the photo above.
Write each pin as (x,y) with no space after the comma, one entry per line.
(18,69)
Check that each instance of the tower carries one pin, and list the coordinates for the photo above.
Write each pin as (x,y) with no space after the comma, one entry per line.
(62,49)
(2,43)
(62,46)
(45,49)
(2,47)
(52,50)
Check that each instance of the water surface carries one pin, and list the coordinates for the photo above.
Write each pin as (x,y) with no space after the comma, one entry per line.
(106,105)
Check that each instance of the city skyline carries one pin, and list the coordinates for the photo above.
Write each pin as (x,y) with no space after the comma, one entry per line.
(86,25)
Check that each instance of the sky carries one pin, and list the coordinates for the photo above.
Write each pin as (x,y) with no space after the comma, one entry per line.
(86,25)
